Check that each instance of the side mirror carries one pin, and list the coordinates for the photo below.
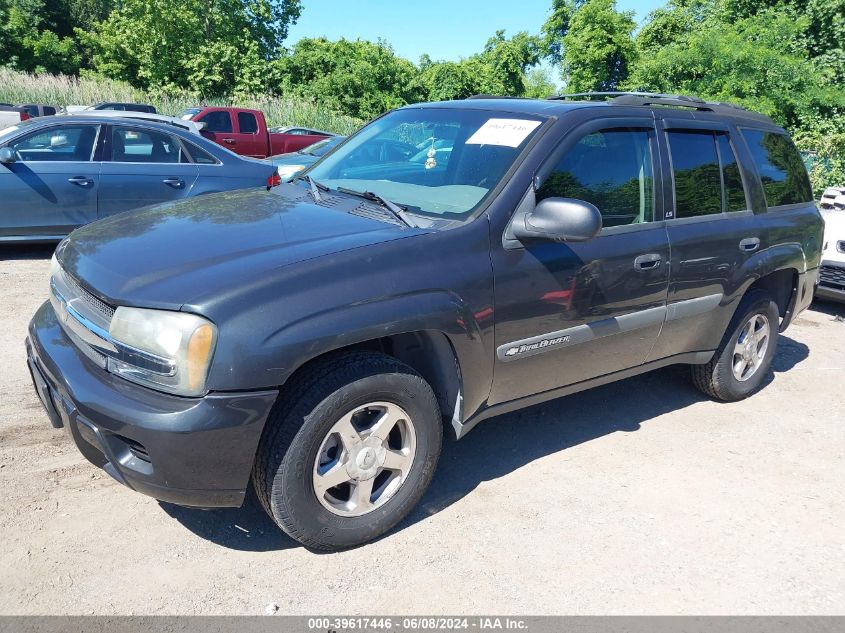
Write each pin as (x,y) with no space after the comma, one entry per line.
(7,156)
(559,220)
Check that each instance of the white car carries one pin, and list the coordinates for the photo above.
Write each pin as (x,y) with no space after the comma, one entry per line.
(190,126)
(833,199)
(832,274)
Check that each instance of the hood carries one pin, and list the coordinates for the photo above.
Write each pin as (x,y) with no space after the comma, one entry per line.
(166,256)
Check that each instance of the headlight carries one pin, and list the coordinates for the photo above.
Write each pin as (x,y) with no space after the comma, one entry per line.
(286,172)
(165,350)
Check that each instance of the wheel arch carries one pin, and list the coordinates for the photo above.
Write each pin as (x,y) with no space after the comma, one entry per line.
(434,333)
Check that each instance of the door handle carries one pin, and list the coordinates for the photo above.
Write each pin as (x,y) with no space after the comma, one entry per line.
(229,141)
(749,244)
(82,181)
(647,262)
(176,183)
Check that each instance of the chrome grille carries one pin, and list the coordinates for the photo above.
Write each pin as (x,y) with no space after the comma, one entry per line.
(104,309)
(84,318)
(832,276)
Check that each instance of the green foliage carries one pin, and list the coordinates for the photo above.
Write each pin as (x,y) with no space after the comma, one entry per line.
(500,69)
(31,37)
(210,46)
(362,79)
(598,49)
(539,83)
(751,61)
(556,27)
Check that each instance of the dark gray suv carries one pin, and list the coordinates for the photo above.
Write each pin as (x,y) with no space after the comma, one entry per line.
(315,342)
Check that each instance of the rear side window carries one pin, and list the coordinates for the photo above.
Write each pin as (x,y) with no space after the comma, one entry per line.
(201,157)
(247,123)
(144,146)
(781,169)
(611,169)
(705,173)
(731,178)
(217,121)
(695,167)
(49,111)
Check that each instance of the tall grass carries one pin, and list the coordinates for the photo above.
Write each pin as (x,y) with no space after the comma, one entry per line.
(61,90)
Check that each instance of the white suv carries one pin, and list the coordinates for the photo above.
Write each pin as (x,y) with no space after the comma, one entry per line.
(832,274)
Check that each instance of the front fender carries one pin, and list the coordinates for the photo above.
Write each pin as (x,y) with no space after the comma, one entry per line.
(440,311)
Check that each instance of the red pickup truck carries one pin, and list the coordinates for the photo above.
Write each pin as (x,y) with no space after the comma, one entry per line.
(245,132)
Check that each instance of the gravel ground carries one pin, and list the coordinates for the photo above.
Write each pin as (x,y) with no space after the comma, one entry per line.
(638,497)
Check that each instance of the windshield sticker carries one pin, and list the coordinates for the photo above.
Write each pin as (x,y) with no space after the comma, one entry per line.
(506,132)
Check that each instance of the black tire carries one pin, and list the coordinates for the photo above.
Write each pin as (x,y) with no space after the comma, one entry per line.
(304,415)
(716,378)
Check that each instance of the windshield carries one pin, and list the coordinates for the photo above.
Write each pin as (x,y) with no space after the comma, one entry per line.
(435,162)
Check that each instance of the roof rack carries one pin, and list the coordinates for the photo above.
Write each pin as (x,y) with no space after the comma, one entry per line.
(657,98)
(489,96)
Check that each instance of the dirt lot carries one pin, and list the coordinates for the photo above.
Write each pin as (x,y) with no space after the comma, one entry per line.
(638,497)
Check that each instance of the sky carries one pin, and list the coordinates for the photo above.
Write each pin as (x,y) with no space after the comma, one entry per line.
(445,29)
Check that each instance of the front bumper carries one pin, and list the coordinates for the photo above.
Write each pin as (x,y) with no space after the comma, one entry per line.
(831,281)
(189,451)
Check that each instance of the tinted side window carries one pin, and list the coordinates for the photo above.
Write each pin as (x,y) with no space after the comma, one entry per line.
(695,167)
(49,111)
(734,191)
(217,121)
(201,157)
(144,146)
(781,169)
(611,169)
(61,143)
(247,123)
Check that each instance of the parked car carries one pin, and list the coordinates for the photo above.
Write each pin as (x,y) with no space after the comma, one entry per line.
(316,341)
(245,132)
(291,164)
(833,199)
(10,115)
(124,107)
(38,109)
(832,271)
(188,126)
(73,109)
(58,173)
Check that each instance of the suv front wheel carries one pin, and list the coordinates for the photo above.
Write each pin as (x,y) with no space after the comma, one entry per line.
(745,355)
(349,451)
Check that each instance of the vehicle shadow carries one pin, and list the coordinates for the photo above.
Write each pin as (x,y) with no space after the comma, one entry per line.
(497,447)
(504,444)
(247,528)
(831,308)
(27,251)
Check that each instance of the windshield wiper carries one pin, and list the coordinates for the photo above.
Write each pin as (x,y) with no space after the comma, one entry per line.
(398,212)
(315,186)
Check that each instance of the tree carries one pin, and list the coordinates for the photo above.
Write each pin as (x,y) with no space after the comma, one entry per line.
(30,40)
(500,69)
(556,27)
(598,48)
(215,47)
(751,61)
(359,78)
(539,83)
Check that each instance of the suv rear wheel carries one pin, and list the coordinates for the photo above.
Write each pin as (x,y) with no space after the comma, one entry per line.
(349,450)
(745,355)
